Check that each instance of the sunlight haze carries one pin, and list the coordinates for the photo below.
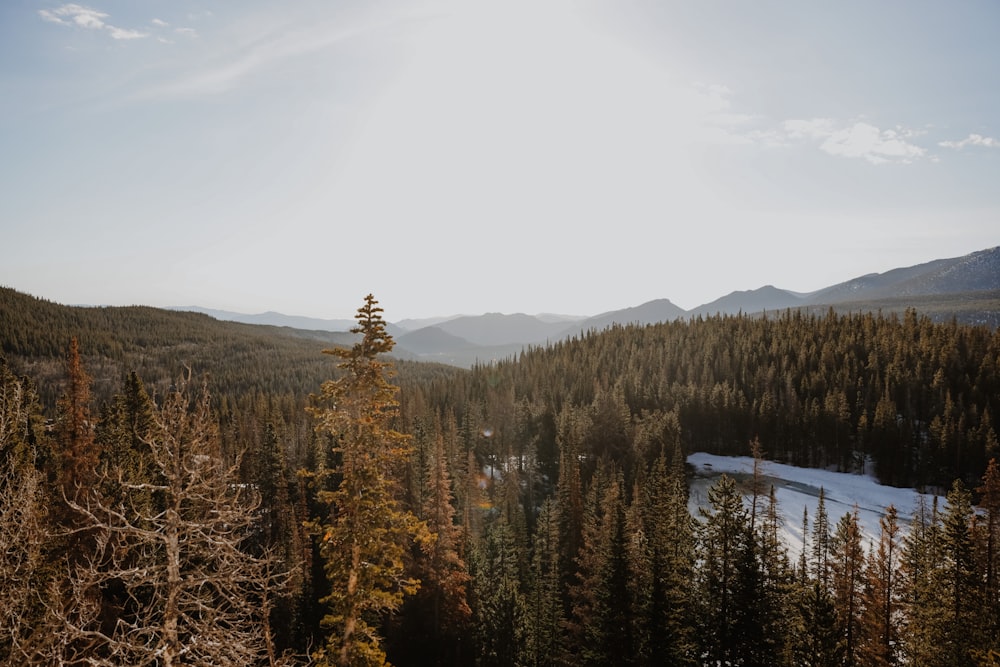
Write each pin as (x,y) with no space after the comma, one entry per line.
(480,156)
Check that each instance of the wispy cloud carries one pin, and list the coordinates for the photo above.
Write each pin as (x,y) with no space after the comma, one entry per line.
(854,139)
(160,23)
(125,33)
(72,14)
(971,140)
(88,18)
(864,140)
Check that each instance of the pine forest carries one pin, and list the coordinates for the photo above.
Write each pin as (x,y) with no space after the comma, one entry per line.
(175,490)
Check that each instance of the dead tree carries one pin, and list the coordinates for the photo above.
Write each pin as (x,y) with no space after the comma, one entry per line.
(173,578)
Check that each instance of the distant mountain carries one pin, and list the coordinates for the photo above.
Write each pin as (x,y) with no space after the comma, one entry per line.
(969,273)
(764,298)
(272,318)
(431,340)
(552,318)
(965,288)
(497,329)
(651,312)
(414,324)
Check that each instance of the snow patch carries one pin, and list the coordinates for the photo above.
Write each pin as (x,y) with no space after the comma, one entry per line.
(798,488)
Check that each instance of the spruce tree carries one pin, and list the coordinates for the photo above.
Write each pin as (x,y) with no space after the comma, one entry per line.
(962,622)
(599,623)
(924,596)
(76,454)
(989,552)
(670,531)
(438,616)
(544,608)
(728,578)
(847,568)
(879,636)
(365,533)
(499,605)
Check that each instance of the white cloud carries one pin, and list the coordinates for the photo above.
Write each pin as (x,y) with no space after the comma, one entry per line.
(867,141)
(187,32)
(50,16)
(972,140)
(160,22)
(85,17)
(124,33)
(90,19)
(856,140)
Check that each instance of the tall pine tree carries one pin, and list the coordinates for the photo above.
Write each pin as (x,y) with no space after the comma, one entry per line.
(365,533)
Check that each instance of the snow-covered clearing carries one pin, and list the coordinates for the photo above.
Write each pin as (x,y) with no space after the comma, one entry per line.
(798,488)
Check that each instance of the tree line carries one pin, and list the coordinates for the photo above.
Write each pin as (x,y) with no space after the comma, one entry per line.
(528,512)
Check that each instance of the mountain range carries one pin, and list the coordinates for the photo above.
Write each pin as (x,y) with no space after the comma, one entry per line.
(965,288)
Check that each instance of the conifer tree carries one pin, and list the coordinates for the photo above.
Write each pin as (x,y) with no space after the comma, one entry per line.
(77,455)
(820,561)
(544,608)
(671,536)
(569,490)
(366,532)
(961,631)
(989,552)
(879,637)
(121,436)
(728,579)
(499,600)
(924,598)
(817,642)
(777,585)
(639,574)
(440,610)
(599,622)
(847,568)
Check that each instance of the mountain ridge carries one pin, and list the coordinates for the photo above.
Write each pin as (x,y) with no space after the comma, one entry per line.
(966,288)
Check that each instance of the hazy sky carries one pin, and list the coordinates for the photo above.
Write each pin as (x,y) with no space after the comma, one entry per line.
(476,156)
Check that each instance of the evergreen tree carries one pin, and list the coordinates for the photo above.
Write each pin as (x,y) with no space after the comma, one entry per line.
(817,645)
(366,533)
(961,631)
(924,597)
(544,608)
(639,575)
(499,605)
(671,537)
(600,621)
(777,586)
(847,569)
(820,560)
(880,632)
(989,553)
(77,455)
(728,577)
(439,613)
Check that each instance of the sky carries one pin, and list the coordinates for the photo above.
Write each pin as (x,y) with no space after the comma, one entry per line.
(472,156)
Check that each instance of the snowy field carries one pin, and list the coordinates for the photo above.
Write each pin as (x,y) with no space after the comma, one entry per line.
(797,488)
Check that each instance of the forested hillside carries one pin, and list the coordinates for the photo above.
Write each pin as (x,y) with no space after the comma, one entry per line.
(528,512)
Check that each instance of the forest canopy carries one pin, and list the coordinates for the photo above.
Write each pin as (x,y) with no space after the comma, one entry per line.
(531,511)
